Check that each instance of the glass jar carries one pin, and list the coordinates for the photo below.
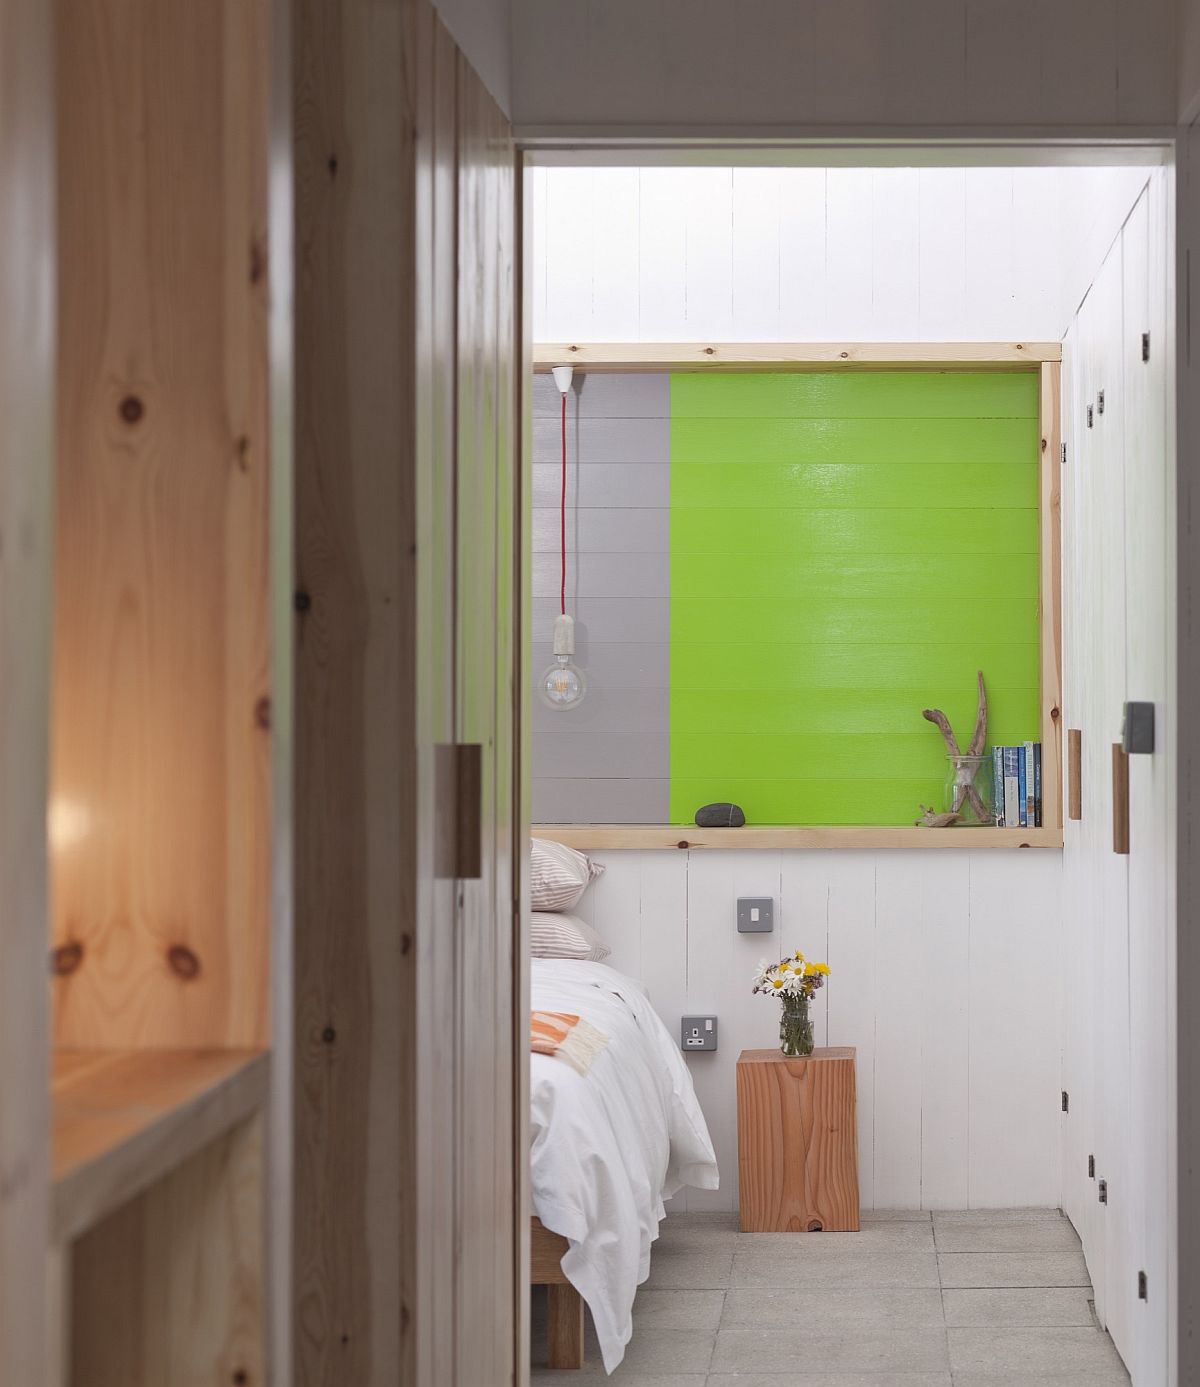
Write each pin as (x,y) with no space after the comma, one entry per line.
(969,790)
(795,1028)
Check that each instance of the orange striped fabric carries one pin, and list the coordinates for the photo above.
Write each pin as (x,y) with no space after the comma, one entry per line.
(567,1036)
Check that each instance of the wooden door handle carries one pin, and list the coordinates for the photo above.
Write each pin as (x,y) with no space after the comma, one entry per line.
(1074,773)
(458,830)
(1120,812)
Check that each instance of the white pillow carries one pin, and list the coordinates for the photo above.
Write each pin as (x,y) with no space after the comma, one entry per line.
(554,935)
(560,875)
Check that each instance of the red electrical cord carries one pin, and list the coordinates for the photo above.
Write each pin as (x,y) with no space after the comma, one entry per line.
(562,586)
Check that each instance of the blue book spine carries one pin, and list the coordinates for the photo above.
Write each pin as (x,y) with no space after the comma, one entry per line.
(998,786)
(1012,802)
(1020,754)
(1037,780)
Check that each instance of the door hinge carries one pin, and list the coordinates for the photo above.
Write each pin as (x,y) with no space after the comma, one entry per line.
(1143,1288)
(1066,1101)
(1100,402)
(1089,417)
(1064,454)
(1091,1167)
(1145,346)
(1102,1193)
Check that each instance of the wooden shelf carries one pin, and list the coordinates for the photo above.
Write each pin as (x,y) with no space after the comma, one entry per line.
(646,837)
(125,1118)
(785,356)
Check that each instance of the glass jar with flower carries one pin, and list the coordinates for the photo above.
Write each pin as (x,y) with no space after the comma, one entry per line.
(794,980)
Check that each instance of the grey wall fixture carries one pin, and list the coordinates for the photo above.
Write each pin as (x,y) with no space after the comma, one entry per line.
(606,761)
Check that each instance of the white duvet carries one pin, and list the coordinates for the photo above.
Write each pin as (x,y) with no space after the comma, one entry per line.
(610,1145)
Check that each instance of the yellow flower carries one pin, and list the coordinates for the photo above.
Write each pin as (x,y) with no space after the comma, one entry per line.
(776,982)
(799,956)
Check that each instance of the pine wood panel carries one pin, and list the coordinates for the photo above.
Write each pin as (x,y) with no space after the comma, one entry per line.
(1075,772)
(639,837)
(797,1142)
(124,1119)
(775,356)
(169,1288)
(26,512)
(161,704)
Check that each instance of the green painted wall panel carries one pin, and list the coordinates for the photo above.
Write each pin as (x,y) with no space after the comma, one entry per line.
(847,549)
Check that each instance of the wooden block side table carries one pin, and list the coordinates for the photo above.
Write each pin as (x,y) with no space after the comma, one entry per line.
(797,1141)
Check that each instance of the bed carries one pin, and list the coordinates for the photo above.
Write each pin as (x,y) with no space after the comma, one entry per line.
(607,1147)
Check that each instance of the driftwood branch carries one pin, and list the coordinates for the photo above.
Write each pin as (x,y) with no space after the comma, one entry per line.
(978,742)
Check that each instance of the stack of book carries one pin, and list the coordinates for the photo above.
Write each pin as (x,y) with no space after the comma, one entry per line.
(1017,785)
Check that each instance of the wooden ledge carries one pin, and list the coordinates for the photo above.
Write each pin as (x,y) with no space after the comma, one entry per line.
(125,1118)
(794,356)
(648,837)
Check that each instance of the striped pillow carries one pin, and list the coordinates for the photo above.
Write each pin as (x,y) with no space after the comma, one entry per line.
(554,935)
(560,875)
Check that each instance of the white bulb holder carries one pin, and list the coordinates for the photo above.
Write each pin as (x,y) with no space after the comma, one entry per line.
(563,376)
(563,685)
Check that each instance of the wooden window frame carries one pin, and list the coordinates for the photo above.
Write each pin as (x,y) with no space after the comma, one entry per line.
(1043,357)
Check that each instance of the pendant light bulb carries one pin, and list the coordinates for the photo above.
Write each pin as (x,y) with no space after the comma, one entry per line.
(564,684)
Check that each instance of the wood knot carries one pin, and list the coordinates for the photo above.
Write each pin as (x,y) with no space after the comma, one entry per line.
(240,1377)
(405,945)
(332,165)
(183,962)
(710,351)
(683,843)
(262,712)
(301,601)
(329,1035)
(844,355)
(1054,715)
(815,1225)
(243,453)
(131,409)
(66,959)
(258,260)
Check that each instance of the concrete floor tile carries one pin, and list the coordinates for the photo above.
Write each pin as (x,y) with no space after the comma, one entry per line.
(964,1270)
(1051,1234)
(838,1311)
(807,1348)
(828,1266)
(675,1268)
(1016,1309)
(699,1312)
(1024,1351)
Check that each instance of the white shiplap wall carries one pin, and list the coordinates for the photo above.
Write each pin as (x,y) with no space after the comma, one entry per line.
(945,977)
(749,255)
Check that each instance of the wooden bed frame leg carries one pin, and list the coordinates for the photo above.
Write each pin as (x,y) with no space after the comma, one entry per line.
(564,1325)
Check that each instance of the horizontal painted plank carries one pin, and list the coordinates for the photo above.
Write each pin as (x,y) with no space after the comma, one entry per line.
(710,358)
(609,531)
(917,753)
(605,709)
(603,575)
(857,615)
(932,486)
(798,573)
(973,533)
(806,801)
(600,801)
(857,395)
(610,441)
(740,442)
(732,665)
(1012,713)
(597,484)
(602,755)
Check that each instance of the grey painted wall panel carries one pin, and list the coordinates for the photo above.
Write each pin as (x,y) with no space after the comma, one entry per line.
(609,530)
(600,755)
(613,441)
(608,761)
(626,395)
(601,801)
(604,575)
(645,486)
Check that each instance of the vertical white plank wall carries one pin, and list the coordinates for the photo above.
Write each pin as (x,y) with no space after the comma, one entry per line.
(945,978)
